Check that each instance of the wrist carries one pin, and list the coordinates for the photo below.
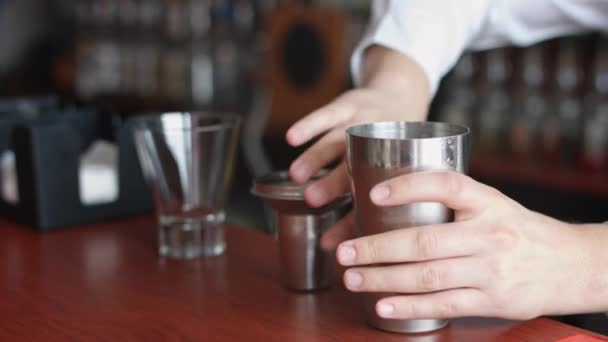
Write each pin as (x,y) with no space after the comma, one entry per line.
(594,292)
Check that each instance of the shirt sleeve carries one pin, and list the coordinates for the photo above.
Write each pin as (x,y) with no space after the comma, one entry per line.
(431,32)
(523,22)
(434,33)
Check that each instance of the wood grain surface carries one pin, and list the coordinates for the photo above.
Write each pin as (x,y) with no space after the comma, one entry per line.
(106,282)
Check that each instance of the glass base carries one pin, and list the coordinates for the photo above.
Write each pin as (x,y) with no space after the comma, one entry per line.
(187,238)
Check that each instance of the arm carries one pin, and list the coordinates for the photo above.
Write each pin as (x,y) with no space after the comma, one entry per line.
(595,295)
(409,46)
(434,33)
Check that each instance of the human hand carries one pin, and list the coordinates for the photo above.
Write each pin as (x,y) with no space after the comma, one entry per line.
(395,88)
(497,259)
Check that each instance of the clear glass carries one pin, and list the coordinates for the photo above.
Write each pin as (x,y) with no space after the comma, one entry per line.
(188,158)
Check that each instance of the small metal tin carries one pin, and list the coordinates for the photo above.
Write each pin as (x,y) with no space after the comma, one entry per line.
(284,195)
(303,264)
(278,185)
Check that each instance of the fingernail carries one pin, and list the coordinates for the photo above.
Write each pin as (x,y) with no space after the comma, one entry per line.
(385,309)
(380,193)
(352,279)
(346,254)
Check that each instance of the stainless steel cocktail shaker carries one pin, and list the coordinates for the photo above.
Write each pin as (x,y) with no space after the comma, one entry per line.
(380,151)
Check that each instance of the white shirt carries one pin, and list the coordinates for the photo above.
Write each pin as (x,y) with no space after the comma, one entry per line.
(434,33)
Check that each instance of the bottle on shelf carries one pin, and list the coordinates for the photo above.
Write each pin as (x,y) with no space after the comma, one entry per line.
(493,124)
(529,104)
(147,69)
(201,74)
(525,129)
(568,100)
(459,104)
(594,156)
(570,118)
(495,105)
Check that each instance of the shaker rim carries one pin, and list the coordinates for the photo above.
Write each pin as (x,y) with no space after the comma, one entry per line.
(279,186)
(398,130)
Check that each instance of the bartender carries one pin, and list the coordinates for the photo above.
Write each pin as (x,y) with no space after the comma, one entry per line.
(497,258)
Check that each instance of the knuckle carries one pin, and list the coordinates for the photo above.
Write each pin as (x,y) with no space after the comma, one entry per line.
(341,111)
(495,193)
(373,250)
(429,279)
(426,243)
(496,197)
(404,182)
(327,116)
(453,184)
(499,269)
(415,309)
(353,97)
(367,251)
(503,238)
(373,281)
(502,303)
(446,309)
(323,153)
(333,111)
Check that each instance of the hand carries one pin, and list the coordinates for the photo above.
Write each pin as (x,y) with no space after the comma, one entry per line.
(395,88)
(497,259)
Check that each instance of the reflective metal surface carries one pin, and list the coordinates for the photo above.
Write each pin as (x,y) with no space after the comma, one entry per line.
(303,264)
(281,193)
(380,151)
(188,158)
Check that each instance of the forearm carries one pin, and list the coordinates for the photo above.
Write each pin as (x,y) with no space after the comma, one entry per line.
(394,73)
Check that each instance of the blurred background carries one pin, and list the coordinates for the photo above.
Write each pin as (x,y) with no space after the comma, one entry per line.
(539,114)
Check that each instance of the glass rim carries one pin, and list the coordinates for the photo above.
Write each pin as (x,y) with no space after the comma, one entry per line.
(370,130)
(151,121)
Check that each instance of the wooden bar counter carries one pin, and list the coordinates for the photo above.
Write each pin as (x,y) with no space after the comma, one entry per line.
(106,282)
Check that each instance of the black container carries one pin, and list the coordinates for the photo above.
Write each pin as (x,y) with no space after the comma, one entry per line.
(47,148)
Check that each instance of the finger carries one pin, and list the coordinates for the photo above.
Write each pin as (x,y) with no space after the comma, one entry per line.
(445,304)
(328,188)
(342,230)
(324,151)
(430,242)
(453,189)
(418,277)
(335,113)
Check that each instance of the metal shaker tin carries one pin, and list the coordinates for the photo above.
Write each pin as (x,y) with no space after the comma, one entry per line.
(383,150)
(303,264)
